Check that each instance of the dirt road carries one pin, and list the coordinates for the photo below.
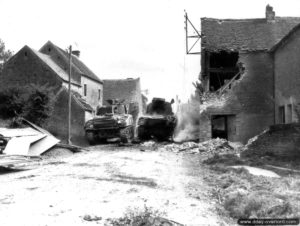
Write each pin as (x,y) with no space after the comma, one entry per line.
(105,182)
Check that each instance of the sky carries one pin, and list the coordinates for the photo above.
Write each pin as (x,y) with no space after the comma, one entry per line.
(127,38)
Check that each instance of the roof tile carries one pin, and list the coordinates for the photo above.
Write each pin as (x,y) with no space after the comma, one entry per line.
(245,34)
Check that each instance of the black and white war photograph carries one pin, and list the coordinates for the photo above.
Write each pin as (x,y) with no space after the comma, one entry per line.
(149,112)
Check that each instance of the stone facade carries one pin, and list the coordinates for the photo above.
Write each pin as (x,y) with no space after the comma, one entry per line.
(237,65)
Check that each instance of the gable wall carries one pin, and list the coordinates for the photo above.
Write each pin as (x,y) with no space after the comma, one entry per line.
(23,70)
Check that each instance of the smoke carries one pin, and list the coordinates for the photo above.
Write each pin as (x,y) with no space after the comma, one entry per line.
(188,122)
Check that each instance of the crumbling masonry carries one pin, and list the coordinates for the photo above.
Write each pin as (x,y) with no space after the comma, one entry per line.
(238,66)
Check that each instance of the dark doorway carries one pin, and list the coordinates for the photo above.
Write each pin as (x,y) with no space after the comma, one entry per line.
(219,127)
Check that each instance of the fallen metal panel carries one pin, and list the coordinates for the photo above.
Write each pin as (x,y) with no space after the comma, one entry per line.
(42,145)
(34,126)
(18,132)
(30,141)
(21,145)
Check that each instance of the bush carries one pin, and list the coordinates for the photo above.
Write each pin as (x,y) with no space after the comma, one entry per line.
(40,105)
(12,102)
(257,205)
(34,103)
(136,217)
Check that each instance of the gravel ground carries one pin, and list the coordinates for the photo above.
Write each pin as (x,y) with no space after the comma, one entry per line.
(105,182)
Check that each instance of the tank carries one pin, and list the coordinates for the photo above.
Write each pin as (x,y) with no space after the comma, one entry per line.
(112,121)
(159,121)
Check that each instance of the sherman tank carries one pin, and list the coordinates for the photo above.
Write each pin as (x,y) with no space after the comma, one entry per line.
(112,121)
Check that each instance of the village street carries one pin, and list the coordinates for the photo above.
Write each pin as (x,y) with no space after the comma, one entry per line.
(89,187)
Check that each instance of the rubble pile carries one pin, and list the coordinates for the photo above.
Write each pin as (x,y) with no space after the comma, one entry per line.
(219,146)
(207,148)
(191,147)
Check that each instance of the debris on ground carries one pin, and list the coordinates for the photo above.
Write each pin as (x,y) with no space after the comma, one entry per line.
(207,148)
(16,160)
(186,146)
(88,217)
(71,147)
(149,143)
(30,141)
(57,152)
(258,171)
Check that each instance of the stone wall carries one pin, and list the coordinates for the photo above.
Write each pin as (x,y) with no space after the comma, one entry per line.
(287,80)
(281,141)
(251,98)
(58,122)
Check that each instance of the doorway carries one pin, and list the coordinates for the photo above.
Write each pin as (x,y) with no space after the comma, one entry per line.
(219,127)
(224,126)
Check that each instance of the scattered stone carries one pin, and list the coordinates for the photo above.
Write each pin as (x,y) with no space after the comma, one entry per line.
(91,218)
(150,143)
(209,148)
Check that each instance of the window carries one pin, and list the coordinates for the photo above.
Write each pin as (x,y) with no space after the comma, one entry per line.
(99,94)
(84,89)
(281,115)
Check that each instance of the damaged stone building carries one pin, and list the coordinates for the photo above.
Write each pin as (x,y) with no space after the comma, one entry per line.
(244,64)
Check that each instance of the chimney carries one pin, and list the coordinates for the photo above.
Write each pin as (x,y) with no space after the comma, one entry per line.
(270,14)
(76,53)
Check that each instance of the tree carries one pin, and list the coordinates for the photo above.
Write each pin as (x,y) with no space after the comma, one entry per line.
(4,55)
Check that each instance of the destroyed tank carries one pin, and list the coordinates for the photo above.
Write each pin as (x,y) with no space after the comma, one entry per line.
(159,121)
(111,121)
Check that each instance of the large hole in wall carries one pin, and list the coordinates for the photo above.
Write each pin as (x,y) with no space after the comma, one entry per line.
(223,59)
(217,80)
(223,66)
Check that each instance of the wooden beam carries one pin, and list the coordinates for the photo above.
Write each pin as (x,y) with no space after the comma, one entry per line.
(223,70)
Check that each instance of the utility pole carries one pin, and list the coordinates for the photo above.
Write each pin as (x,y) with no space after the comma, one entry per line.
(69,100)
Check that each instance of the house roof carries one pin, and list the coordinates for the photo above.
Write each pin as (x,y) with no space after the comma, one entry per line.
(78,99)
(245,34)
(128,89)
(77,65)
(285,38)
(58,70)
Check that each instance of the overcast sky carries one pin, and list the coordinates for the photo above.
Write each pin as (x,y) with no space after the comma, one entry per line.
(127,38)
